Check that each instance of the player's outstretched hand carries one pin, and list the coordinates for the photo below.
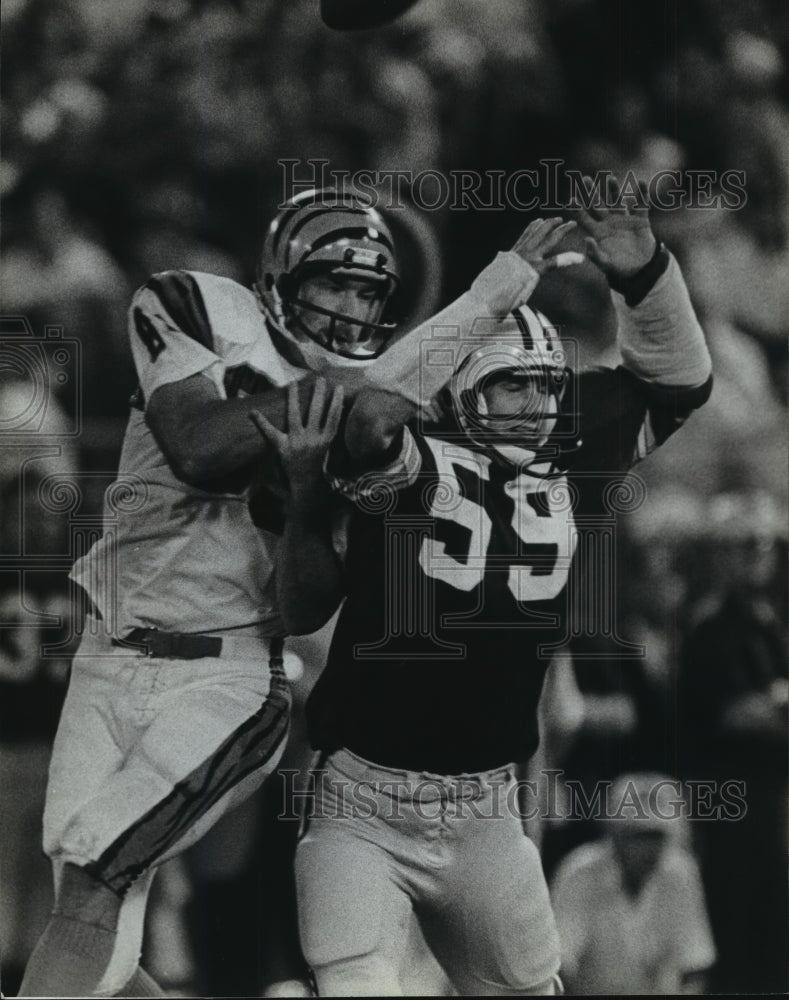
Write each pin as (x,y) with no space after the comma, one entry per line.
(511,277)
(539,239)
(619,237)
(303,444)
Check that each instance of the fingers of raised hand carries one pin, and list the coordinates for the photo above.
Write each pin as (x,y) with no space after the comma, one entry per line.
(614,200)
(333,412)
(612,204)
(595,253)
(531,236)
(315,409)
(293,408)
(539,239)
(268,431)
(555,236)
(630,197)
(325,409)
(534,237)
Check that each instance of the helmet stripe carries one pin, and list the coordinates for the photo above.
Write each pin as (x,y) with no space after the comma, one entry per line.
(282,221)
(523,326)
(535,328)
(312,228)
(321,210)
(357,233)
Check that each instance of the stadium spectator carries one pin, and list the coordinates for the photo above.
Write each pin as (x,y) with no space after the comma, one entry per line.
(733,727)
(630,907)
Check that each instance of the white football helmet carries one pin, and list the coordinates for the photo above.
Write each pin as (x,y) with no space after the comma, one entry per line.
(326,232)
(534,356)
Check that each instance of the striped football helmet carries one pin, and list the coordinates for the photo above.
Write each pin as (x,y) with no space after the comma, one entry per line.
(533,356)
(327,233)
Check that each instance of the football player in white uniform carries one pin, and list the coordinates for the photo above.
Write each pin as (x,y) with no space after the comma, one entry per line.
(178,705)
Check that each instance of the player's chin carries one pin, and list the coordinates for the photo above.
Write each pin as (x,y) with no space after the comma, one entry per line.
(510,427)
(540,429)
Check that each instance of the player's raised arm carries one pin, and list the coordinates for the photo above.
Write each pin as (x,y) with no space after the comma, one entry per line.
(398,384)
(660,337)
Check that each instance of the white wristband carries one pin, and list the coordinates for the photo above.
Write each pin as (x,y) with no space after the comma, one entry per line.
(505,283)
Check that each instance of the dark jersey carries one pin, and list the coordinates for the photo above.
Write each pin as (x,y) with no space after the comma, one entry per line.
(459,578)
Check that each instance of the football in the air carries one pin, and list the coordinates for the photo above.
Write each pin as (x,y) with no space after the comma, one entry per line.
(355,15)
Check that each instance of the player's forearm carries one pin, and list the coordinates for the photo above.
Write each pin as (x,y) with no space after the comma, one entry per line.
(405,369)
(309,572)
(205,437)
(661,339)
(405,378)
(374,421)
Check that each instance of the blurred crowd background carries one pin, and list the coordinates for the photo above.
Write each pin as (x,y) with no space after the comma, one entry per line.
(146,135)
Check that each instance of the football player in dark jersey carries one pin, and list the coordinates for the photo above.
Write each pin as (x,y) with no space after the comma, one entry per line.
(455,577)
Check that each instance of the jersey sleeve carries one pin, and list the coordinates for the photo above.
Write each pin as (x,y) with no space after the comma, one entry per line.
(170,333)
(396,470)
(622,418)
(660,338)
(627,412)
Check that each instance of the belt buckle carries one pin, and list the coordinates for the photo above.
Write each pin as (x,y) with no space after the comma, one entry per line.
(139,640)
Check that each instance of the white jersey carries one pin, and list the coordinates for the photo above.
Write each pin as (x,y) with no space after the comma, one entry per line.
(173,556)
(616,943)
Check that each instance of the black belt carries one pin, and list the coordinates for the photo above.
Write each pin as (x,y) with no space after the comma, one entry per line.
(184,645)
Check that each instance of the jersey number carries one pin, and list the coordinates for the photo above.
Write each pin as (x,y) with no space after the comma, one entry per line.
(538,542)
